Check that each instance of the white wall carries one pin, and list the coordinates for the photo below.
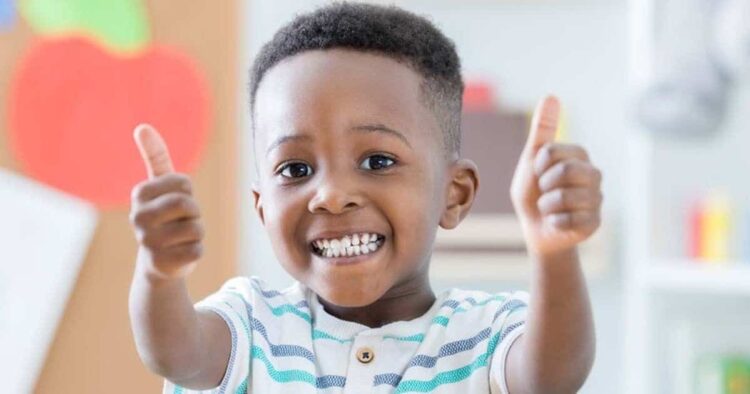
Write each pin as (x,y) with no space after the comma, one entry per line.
(527,48)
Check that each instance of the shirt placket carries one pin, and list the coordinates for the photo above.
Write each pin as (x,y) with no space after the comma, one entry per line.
(364,358)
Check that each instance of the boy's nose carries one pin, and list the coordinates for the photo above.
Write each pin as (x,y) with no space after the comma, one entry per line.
(334,196)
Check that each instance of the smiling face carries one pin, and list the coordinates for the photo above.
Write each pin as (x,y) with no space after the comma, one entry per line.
(353,178)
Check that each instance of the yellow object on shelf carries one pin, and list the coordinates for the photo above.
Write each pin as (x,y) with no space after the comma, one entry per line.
(716,228)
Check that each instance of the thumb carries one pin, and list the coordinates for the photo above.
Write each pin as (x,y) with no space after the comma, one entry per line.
(153,150)
(543,125)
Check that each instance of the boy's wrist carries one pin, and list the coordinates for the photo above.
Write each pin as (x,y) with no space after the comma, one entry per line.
(561,256)
(145,270)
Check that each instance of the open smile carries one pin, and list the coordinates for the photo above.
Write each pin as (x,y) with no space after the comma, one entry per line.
(350,245)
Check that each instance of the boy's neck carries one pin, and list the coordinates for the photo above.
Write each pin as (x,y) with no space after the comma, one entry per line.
(400,303)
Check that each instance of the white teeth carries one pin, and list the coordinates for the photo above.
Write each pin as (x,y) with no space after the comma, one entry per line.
(349,245)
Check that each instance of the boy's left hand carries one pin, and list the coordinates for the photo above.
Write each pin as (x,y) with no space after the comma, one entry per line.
(555,190)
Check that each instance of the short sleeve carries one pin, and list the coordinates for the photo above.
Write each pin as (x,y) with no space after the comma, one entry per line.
(232,302)
(508,326)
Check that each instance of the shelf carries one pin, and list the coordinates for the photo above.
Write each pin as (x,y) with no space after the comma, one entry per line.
(690,276)
(491,248)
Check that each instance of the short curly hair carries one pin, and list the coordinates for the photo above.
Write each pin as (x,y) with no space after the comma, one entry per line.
(385,30)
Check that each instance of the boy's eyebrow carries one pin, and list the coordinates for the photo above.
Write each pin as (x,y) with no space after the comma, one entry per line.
(285,138)
(376,127)
(383,129)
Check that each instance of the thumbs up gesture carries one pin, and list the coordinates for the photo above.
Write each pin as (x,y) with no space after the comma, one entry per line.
(164,213)
(556,191)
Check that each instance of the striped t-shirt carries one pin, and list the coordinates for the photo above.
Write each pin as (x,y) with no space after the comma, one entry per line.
(285,342)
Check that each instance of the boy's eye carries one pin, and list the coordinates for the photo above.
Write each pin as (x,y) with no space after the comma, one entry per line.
(295,170)
(376,162)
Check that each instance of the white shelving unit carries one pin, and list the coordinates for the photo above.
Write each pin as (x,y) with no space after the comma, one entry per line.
(652,281)
(684,276)
(660,347)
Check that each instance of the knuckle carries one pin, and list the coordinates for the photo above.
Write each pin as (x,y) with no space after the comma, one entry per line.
(562,220)
(149,240)
(197,250)
(560,198)
(176,201)
(200,232)
(138,191)
(567,168)
(597,175)
(182,202)
(141,218)
(190,207)
(551,149)
(180,182)
(544,156)
(590,197)
(185,184)
(191,252)
(542,204)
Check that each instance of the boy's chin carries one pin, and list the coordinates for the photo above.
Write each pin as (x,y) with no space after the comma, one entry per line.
(348,298)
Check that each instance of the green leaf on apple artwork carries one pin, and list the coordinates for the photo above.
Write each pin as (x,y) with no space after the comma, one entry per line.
(120,26)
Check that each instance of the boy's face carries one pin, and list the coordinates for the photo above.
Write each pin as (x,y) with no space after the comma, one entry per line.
(345,147)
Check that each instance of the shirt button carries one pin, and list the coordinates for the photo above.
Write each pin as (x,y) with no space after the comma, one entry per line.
(365,355)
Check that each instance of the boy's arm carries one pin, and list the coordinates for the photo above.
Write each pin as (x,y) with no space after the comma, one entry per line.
(556,350)
(189,347)
(556,193)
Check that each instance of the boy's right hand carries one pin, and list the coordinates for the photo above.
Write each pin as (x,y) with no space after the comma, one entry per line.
(164,214)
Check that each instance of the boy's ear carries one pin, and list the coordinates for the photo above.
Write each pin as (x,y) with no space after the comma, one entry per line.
(462,189)
(258,204)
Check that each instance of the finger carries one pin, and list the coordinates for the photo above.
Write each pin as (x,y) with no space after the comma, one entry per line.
(549,154)
(569,199)
(570,173)
(153,150)
(152,188)
(585,221)
(172,233)
(165,208)
(543,124)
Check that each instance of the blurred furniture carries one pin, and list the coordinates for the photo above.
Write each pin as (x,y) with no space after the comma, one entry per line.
(678,310)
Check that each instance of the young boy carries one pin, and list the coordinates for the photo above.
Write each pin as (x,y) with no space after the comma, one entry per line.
(356,112)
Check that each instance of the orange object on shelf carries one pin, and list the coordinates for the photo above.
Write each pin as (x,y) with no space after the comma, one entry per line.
(695,230)
(709,229)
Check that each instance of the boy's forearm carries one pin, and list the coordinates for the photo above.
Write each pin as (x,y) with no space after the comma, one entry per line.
(558,344)
(165,325)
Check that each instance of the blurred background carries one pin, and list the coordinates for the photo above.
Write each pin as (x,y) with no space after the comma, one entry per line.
(657,91)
